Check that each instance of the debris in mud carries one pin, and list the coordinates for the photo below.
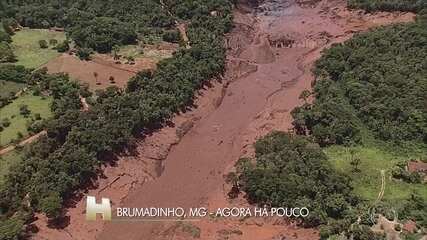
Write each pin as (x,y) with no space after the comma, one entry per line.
(273,7)
(225,234)
(308,3)
(281,41)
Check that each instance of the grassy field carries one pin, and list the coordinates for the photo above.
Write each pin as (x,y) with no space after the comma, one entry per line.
(146,52)
(132,50)
(6,161)
(36,104)
(6,87)
(27,49)
(367,182)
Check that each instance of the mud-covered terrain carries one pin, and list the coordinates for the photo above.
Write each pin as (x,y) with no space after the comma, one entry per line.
(271,51)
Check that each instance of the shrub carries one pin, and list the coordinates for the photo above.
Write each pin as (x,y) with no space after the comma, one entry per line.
(24,111)
(19,135)
(37,116)
(5,122)
(84,53)
(53,42)
(51,205)
(6,53)
(171,36)
(63,46)
(43,44)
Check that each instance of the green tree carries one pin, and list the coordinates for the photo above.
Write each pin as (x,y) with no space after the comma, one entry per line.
(5,122)
(84,53)
(53,42)
(11,228)
(6,53)
(64,46)
(24,111)
(51,205)
(43,44)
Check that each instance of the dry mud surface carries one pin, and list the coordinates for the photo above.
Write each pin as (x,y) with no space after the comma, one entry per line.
(271,52)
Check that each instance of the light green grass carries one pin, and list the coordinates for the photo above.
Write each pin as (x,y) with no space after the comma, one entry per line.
(137,51)
(26,46)
(8,160)
(367,182)
(131,50)
(36,104)
(6,87)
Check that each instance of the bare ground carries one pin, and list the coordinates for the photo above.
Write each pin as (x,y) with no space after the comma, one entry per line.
(183,165)
(101,64)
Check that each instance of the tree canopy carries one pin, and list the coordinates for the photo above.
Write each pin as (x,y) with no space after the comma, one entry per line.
(292,171)
(376,80)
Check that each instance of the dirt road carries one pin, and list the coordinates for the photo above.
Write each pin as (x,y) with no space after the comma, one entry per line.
(23,142)
(271,52)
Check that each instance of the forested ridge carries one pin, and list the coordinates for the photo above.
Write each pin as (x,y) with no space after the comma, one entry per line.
(78,142)
(375,81)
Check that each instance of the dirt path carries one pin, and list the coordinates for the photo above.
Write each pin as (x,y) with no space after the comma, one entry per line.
(381,193)
(182,28)
(23,142)
(261,87)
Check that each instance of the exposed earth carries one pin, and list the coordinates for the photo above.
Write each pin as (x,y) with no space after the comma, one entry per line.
(271,52)
(106,67)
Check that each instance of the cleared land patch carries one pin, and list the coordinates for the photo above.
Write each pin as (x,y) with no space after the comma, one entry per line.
(19,123)
(158,51)
(27,49)
(103,70)
(367,181)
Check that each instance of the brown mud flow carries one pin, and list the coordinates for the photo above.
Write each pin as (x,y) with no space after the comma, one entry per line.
(271,52)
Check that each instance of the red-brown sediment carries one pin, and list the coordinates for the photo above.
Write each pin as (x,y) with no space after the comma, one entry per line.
(261,87)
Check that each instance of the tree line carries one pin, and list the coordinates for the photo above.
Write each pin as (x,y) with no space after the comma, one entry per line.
(389,5)
(78,142)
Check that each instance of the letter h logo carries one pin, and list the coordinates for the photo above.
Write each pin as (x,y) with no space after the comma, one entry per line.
(92,208)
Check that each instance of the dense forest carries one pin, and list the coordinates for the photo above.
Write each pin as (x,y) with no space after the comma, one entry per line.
(376,80)
(95,24)
(77,142)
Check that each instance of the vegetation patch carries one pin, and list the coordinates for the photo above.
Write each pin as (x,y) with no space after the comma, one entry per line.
(8,88)
(20,114)
(27,48)
(366,177)
(375,81)
(6,161)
